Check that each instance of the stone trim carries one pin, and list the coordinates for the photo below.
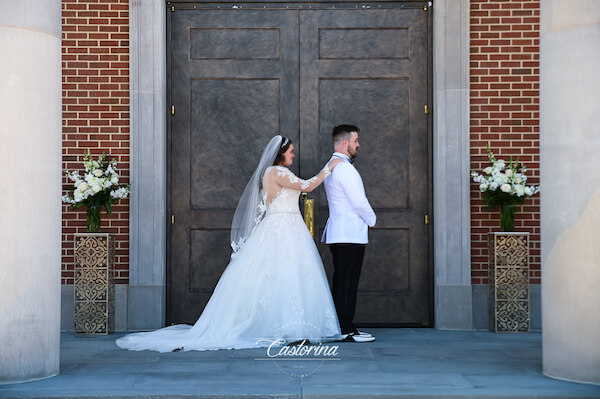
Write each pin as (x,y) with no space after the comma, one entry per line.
(451,198)
(147,248)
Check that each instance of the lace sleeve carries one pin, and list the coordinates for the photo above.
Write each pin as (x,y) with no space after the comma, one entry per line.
(286,178)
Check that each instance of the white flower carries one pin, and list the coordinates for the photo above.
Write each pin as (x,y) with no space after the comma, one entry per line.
(508,177)
(74,176)
(94,181)
(121,192)
(67,199)
(520,190)
(518,178)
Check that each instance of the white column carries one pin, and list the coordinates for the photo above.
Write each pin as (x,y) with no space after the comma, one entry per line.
(570,179)
(451,185)
(147,248)
(30,208)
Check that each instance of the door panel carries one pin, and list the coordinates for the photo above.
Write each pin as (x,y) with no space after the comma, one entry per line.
(369,68)
(234,83)
(237,77)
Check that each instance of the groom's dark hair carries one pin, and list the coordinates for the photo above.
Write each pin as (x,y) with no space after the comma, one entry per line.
(342,132)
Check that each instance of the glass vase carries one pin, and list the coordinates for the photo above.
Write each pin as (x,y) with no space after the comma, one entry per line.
(93,219)
(507,217)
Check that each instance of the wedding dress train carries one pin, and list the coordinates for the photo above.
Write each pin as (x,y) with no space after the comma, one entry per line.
(275,287)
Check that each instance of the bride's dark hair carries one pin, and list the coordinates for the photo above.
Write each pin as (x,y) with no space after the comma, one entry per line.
(285,145)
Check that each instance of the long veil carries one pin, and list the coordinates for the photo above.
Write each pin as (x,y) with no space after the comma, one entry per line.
(251,207)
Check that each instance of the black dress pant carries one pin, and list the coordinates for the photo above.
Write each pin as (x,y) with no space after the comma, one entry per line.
(347,263)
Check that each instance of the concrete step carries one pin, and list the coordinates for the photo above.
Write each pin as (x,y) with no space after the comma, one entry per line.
(401,363)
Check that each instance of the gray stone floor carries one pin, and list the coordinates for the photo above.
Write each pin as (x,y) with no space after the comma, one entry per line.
(403,363)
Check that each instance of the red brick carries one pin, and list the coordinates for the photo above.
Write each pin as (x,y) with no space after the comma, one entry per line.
(490,6)
(500,27)
(512,20)
(87,14)
(74,6)
(88,28)
(512,5)
(98,36)
(98,6)
(522,27)
(522,12)
(489,35)
(87,57)
(499,57)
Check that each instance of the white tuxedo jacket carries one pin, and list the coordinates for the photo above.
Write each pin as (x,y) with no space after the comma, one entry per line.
(350,214)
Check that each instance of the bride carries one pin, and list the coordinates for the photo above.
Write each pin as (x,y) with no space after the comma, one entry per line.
(274,287)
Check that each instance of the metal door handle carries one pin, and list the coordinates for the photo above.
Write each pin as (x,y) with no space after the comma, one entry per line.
(309,214)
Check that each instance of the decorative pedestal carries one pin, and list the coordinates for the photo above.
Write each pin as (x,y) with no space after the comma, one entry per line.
(509,309)
(94,289)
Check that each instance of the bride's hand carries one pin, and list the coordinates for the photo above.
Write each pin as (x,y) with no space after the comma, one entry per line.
(334,163)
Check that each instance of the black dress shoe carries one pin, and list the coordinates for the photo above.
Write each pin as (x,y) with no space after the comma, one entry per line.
(357,338)
(300,342)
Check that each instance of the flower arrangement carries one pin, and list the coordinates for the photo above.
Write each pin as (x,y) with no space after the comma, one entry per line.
(99,186)
(503,186)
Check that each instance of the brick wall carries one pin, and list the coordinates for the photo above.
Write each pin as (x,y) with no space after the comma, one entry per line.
(95,75)
(504,72)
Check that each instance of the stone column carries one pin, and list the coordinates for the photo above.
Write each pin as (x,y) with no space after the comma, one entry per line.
(30,205)
(570,178)
(147,248)
(451,185)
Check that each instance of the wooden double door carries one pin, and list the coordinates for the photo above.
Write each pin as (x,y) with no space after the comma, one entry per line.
(238,76)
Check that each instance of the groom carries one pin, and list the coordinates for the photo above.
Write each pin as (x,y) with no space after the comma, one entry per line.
(346,231)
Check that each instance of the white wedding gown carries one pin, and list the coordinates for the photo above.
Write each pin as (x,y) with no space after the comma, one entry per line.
(274,287)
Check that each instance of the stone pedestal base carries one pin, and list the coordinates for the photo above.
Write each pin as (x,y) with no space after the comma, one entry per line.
(94,289)
(509,309)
